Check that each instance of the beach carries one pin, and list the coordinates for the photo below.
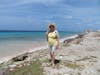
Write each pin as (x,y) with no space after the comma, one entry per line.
(78,55)
(49,37)
(16,43)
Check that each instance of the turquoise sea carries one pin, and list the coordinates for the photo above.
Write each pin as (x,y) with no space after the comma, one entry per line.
(28,35)
(14,42)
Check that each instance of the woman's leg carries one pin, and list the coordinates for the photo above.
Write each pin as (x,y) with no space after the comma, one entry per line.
(52,58)
(52,53)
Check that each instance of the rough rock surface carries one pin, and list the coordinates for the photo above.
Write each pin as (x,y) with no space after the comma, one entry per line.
(82,58)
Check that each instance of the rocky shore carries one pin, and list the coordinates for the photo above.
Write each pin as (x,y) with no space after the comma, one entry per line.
(77,56)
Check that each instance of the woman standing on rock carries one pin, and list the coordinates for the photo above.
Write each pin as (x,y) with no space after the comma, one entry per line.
(52,36)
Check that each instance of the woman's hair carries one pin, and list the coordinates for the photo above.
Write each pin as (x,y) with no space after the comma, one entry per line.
(52,25)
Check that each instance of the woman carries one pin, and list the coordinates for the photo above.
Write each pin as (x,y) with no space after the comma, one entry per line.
(53,41)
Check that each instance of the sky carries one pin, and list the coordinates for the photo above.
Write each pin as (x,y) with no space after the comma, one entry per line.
(68,15)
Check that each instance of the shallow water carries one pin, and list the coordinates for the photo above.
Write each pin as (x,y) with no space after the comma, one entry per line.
(12,43)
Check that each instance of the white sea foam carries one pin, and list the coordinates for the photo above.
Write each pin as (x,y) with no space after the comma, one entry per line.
(70,37)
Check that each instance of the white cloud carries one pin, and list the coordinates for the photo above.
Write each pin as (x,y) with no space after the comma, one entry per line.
(22,2)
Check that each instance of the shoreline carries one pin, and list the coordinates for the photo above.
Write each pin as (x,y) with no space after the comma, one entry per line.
(7,58)
(76,56)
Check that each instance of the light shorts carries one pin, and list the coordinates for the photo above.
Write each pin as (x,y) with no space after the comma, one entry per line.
(52,48)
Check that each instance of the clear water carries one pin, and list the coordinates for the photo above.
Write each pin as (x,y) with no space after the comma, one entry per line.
(28,36)
(12,43)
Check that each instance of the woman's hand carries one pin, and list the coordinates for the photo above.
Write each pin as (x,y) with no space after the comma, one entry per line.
(57,46)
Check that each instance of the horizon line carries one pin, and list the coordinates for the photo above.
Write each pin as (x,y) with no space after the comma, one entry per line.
(31,30)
